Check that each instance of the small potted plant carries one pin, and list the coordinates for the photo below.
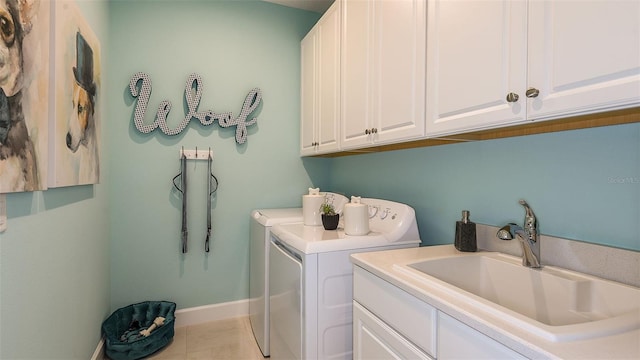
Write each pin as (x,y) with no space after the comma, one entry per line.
(329,217)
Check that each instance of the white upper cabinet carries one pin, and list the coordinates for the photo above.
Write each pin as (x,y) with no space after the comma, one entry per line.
(476,55)
(583,56)
(383,71)
(494,63)
(320,86)
(308,94)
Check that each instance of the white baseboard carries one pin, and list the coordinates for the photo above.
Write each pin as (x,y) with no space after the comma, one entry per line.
(99,353)
(202,314)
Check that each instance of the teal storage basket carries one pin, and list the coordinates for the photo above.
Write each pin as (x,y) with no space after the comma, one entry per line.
(142,314)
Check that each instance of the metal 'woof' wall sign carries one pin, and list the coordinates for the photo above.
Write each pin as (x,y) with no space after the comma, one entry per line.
(140,87)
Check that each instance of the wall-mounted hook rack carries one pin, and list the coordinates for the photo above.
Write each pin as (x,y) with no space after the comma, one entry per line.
(196,154)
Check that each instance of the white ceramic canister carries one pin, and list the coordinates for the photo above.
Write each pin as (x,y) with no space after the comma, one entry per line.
(311,207)
(356,217)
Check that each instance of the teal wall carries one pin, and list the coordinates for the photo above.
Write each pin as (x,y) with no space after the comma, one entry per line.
(72,255)
(235,46)
(54,258)
(582,184)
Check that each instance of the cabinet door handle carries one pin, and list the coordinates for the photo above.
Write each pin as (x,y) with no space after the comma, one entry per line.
(532,92)
(367,131)
(512,97)
(374,131)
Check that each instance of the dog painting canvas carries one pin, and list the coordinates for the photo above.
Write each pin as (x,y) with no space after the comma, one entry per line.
(74,148)
(24,88)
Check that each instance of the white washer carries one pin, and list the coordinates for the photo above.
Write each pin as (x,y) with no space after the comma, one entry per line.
(260,234)
(311,280)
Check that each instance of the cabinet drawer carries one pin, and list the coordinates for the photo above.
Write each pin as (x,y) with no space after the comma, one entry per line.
(459,341)
(409,316)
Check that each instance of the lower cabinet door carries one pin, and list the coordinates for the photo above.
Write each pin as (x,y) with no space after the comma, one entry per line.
(373,339)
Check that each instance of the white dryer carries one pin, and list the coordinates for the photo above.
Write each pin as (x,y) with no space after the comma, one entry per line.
(260,234)
(311,280)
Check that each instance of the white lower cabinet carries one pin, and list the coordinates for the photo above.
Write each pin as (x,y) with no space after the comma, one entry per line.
(410,317)
(389,323)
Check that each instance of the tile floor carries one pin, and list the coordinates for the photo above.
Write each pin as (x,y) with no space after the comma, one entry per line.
(230,339)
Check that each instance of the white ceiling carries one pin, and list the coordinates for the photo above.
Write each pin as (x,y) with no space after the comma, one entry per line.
(319,6)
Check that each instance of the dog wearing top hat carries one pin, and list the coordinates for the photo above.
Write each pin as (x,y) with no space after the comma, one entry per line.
(81,135)
(18,169)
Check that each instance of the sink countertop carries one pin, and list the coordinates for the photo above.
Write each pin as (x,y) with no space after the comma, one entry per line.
(620,346)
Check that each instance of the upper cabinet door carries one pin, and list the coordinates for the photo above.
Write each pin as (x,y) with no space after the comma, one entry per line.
(399,69)
(320,86)
(583,56)
(308,93)
(328,79)
(476,57)
(383,65)
(356,79)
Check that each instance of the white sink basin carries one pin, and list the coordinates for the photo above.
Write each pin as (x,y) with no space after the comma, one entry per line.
(554,303)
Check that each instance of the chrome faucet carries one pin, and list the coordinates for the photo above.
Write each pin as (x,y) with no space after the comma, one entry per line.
(528,237)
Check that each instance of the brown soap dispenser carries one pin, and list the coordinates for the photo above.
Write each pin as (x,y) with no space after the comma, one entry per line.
(465,234)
